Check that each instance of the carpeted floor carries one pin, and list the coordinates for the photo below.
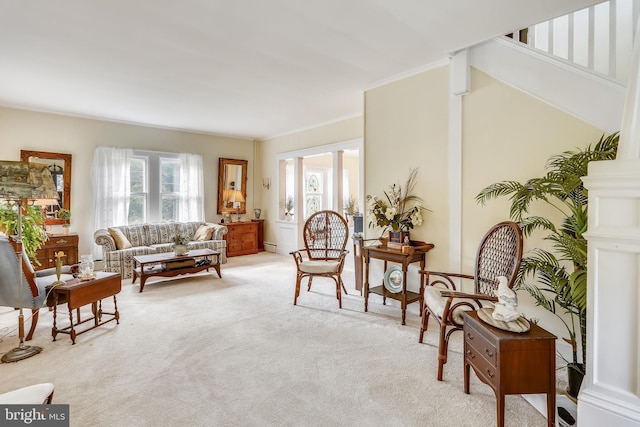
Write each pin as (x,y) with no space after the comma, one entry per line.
(204,351)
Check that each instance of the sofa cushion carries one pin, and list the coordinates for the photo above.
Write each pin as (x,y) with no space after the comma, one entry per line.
(203,233)
(121,240)
(159,233)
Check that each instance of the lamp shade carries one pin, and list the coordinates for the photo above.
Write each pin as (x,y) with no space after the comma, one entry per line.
(21,180)
(238,196)
(228,195)
(15,181)
(46,202)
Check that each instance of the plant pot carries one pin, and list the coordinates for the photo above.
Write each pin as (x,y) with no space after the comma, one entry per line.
(575,376)
(180,249)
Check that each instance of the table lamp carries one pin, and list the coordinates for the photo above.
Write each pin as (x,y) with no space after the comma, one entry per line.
(20,182)
(238,198)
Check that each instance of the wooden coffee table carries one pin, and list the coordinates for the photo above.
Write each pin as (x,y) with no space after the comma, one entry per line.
(77,293)
(151,265)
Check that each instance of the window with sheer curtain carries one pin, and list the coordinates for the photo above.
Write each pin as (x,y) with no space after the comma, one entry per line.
(133,187)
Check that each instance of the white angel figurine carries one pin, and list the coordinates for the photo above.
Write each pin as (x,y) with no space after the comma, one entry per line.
(506,307)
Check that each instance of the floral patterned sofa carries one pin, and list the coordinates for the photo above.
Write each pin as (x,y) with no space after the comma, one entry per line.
(121,244)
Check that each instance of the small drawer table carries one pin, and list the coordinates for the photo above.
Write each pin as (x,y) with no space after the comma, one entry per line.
(510,362)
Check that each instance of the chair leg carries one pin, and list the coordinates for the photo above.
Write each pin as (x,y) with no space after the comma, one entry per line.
(35,314)
(443,348)
(309,284)
(343,287)
(297,294)
(425,324)
(338,293)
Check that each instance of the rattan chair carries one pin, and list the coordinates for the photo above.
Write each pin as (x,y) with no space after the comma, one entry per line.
(499,254)
(325,238)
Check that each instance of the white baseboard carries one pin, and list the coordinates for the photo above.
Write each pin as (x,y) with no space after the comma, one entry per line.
(539,401)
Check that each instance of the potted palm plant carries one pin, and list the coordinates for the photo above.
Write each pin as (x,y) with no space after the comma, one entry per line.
(559,277)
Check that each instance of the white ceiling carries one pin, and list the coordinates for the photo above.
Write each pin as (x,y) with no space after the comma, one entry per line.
(246,68)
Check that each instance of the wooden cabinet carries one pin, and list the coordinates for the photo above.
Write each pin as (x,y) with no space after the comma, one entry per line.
(242,238)
(67,243)
(260,223)
(511,363)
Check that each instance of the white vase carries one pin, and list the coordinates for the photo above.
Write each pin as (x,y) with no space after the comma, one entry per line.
(180,249)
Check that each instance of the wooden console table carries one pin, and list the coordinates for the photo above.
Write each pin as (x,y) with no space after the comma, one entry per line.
(260,223)
(46,255)
(416,254)
(242,238)
(511,363)
(76,293)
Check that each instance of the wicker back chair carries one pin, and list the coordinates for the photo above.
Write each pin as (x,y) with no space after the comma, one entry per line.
(325,238)
(499,254)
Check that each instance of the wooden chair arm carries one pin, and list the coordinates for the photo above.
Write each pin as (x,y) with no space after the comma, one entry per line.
(457,294)
(297,256)
(441,278)
(442,274)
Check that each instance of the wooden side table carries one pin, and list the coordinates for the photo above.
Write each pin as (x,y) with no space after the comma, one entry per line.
(416,254)
(76,293)
(358,244)
(511,363)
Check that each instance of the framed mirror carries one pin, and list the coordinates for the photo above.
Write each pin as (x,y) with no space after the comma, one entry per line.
(60,166)
(232,186)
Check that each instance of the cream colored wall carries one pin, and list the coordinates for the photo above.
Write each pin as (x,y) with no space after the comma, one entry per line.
(407,127)
(268,150)
(508,135)
(352,165)
(49,132)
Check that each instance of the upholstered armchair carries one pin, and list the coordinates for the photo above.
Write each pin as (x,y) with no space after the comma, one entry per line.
(31,295)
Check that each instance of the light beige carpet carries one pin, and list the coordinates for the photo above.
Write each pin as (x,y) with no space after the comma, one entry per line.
(204,351)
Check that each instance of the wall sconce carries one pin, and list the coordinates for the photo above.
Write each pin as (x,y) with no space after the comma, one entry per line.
(266,183)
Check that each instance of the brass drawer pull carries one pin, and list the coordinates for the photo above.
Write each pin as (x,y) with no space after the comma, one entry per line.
(469,335)
(470,354)
(489,352)
(61,242)
(491,374)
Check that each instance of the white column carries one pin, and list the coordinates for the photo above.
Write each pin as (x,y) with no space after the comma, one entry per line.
(460,85)
(610,394)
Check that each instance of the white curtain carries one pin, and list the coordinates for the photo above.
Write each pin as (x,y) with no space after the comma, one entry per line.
(191,188)
(111,189)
